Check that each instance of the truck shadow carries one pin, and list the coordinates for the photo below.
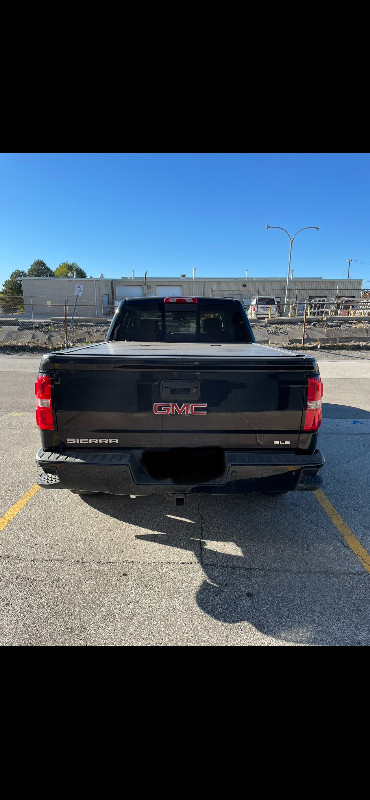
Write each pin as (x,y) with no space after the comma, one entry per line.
(335,411)
(276,563)
(280,581)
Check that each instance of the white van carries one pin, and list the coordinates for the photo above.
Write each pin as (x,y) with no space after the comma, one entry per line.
(260,307)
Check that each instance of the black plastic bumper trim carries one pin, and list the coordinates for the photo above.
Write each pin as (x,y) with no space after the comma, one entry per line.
(117,472)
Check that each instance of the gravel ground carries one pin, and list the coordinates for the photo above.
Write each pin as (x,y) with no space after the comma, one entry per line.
(47,336)
(332,339)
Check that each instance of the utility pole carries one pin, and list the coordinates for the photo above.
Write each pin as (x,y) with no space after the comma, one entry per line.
(349,264)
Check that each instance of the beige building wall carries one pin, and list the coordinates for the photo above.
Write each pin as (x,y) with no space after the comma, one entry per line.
(50,296)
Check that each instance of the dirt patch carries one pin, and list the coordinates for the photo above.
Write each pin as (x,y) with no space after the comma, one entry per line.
(34,337)
(317,335)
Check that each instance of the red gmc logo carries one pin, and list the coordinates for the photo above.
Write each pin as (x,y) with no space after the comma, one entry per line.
(173,408)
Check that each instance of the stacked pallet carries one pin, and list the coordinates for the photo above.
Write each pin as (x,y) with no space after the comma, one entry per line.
(364,306)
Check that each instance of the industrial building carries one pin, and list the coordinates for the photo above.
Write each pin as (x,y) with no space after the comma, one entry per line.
(55,297)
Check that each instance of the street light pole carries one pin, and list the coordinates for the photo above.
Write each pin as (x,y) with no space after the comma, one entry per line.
(349,264)
(291,239)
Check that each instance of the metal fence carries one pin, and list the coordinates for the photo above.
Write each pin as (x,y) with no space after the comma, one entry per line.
(53,325)
(328,307)
(324,307)
(319,306)
(42,308)
(37,310)
(14,309)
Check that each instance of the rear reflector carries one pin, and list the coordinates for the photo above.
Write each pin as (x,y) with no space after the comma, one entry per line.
(313,409)
(44,411)
(180,300)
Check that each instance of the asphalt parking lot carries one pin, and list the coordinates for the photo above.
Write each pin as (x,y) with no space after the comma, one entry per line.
(220,571)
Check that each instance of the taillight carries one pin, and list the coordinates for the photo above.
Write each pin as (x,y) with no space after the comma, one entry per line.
(313,409)
(180,300)
(44,411)
(253,308)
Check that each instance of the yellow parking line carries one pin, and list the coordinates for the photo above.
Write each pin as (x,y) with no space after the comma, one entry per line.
(14,510)
(343,529)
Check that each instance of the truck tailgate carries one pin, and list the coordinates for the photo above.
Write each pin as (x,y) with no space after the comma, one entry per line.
(182,396)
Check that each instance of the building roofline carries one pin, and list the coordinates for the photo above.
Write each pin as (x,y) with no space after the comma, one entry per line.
(190,280)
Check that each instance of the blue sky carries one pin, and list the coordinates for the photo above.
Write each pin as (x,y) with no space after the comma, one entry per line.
(170,212)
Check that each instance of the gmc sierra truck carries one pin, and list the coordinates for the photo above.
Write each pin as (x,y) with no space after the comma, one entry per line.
(179,399)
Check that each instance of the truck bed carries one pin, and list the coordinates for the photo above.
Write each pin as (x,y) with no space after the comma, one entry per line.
(200,415)
(231,396)
(179,350)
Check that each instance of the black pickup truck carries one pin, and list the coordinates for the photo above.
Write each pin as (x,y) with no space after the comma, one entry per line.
(179,399)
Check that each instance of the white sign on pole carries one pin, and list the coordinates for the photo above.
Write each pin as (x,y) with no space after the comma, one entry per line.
(78,289)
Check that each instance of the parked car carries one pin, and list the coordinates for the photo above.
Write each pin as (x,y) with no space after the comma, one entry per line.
(260,307)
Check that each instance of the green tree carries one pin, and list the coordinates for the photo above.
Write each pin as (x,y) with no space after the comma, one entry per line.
(40,270)
(11,295)
(66,268)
